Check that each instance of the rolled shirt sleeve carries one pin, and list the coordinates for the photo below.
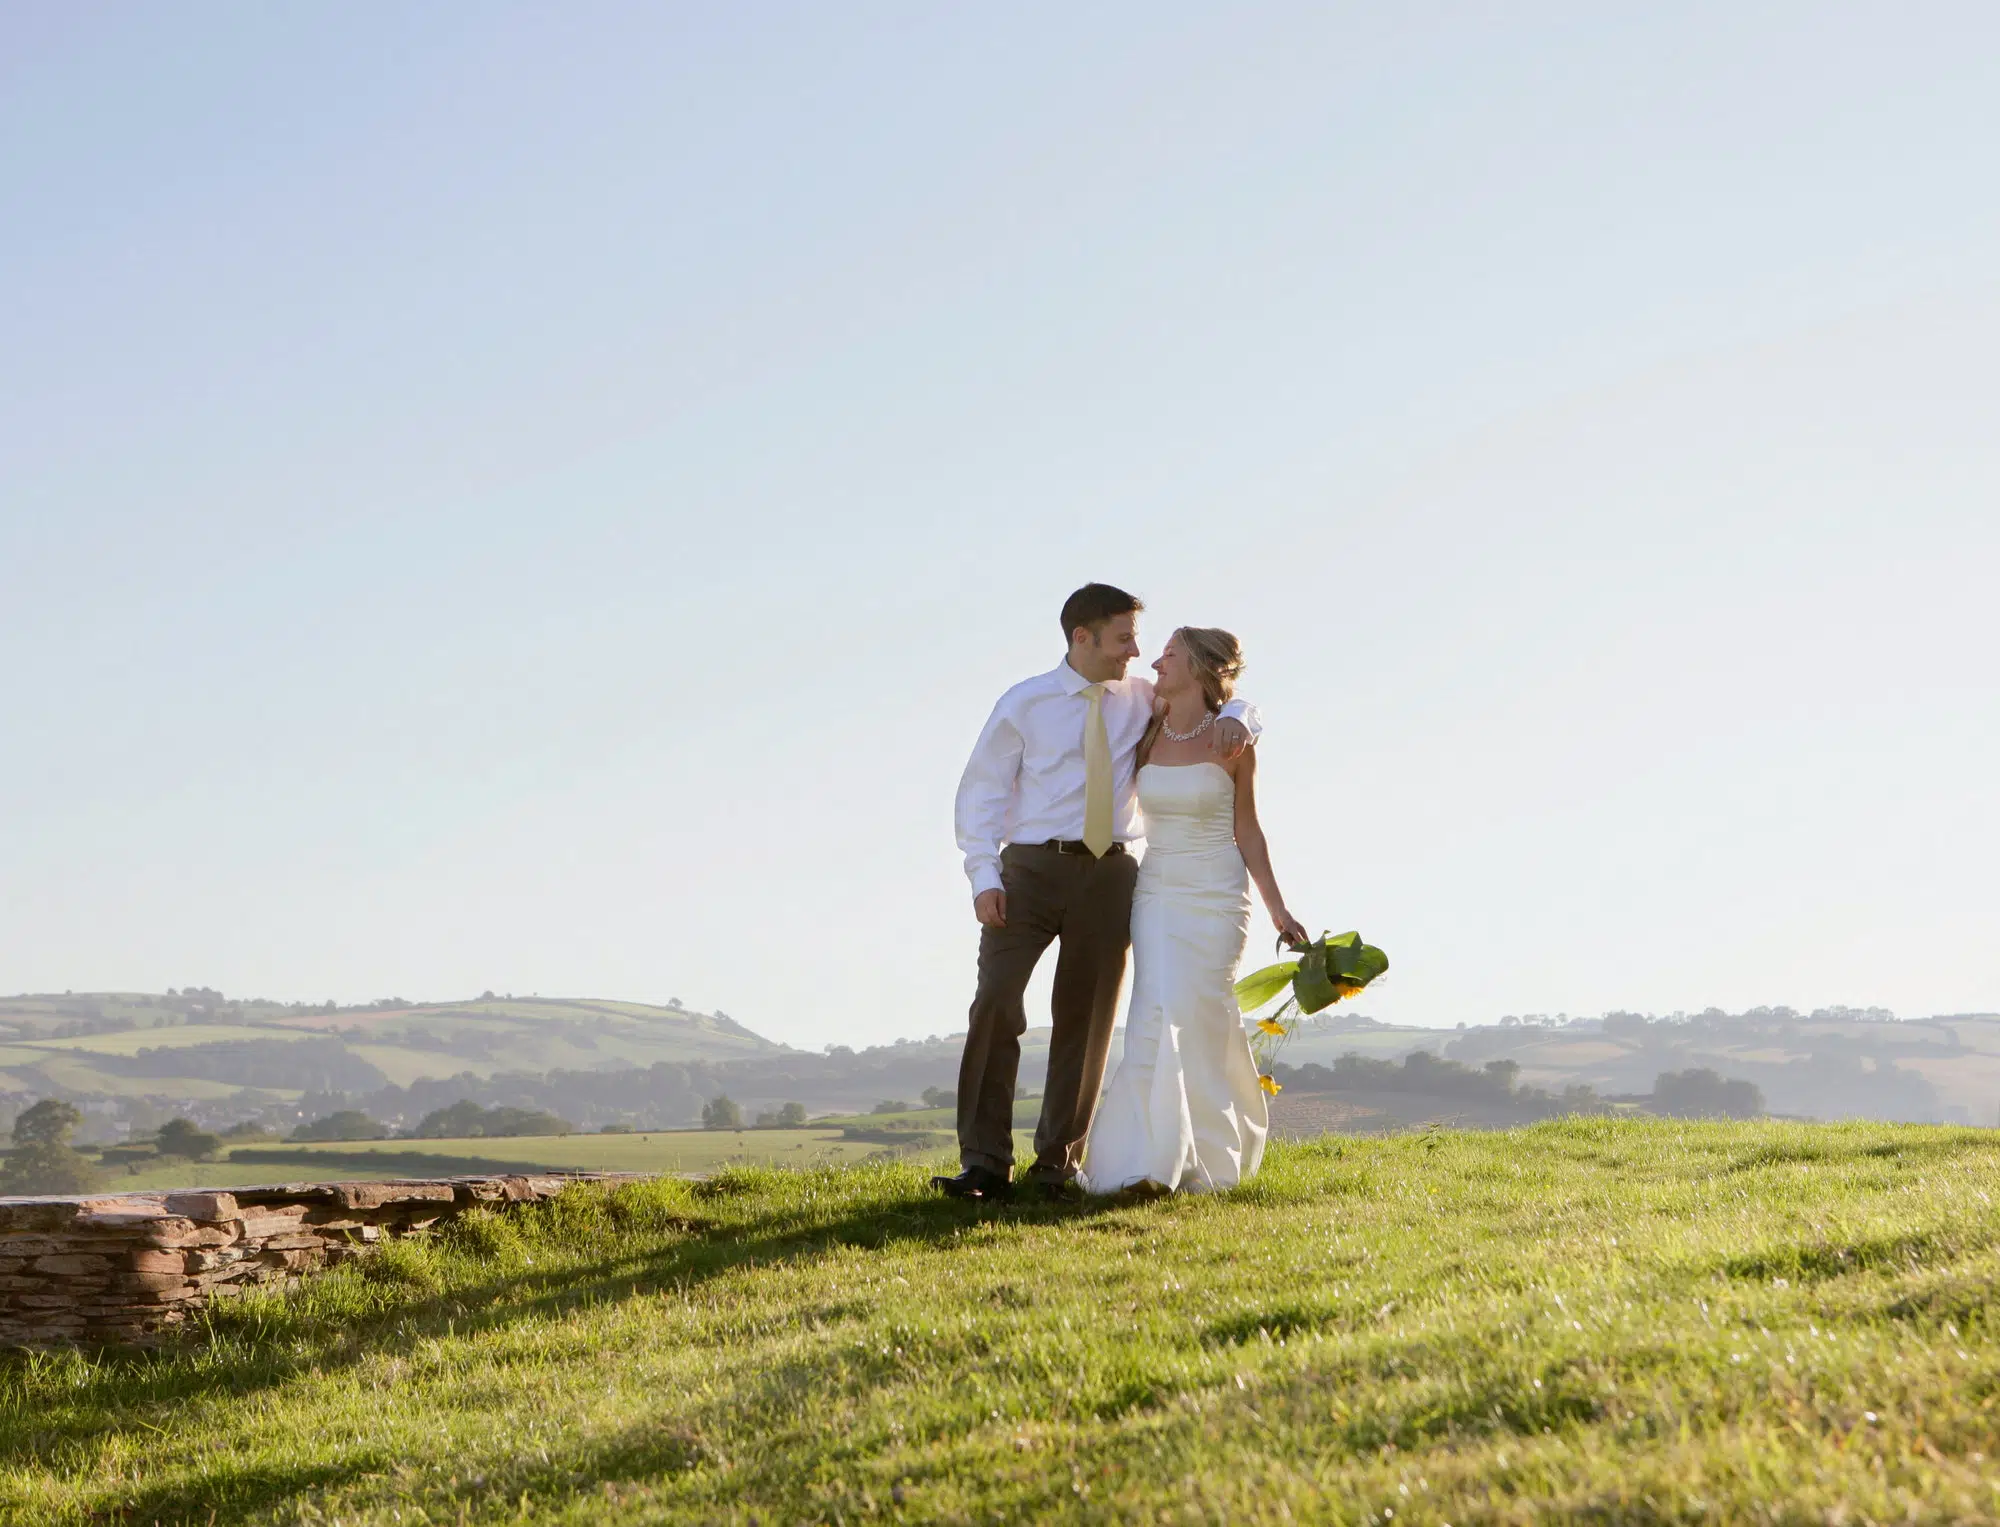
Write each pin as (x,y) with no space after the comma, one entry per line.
(985,791)
(1248,714)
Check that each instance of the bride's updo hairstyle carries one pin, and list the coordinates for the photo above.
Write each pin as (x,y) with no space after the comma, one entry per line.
(1215,658)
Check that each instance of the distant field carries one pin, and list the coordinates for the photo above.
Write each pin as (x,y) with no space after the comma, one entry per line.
(658,1151)
(1327,1045)
(176,1037)
(72,1069)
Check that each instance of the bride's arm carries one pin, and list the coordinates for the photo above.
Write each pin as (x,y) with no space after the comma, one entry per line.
(1257,853)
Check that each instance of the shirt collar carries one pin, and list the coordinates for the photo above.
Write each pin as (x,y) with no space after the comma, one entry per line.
(1072,682)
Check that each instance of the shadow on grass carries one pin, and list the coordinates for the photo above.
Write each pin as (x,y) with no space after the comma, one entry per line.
(642,1460)
(1834,1149)
(689,1462)
(1274,1324)
(45,1420)
(226,1495)
(1818,1260)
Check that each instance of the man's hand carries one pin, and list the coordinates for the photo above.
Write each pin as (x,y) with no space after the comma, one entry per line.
(1231,737)
(990,907)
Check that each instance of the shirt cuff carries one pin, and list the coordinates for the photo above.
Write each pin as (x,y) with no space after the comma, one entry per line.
(1245,712)
(985,876)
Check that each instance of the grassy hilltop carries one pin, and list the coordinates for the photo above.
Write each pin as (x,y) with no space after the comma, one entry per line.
(1594,1320)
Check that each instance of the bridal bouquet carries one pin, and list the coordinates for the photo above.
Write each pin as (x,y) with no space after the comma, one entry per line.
(1333,966)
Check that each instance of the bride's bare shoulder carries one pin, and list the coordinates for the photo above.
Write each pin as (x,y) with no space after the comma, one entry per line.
(1243,766)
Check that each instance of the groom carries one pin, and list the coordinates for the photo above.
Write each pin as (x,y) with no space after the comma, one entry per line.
(1052,779)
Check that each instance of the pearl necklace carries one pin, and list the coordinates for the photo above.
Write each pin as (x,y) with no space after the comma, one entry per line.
(1171,735)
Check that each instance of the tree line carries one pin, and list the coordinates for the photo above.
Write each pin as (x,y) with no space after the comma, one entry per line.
(1697,1092)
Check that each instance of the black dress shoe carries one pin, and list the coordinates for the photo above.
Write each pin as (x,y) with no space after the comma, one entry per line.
(976,1182)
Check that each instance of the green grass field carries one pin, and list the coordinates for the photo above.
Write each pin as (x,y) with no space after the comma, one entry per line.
(1589,1321)
(696,1151)
(676,1150)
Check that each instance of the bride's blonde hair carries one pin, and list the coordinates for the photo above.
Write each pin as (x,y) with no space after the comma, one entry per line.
(1215,658)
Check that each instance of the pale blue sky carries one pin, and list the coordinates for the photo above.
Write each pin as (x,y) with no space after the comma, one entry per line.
(543,497)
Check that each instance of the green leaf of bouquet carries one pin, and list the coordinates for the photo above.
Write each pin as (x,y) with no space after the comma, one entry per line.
(1314,991)
(1312,985)
(1260,986)
(1353,964)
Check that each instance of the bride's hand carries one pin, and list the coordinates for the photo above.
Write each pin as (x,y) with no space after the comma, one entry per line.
(1291,931)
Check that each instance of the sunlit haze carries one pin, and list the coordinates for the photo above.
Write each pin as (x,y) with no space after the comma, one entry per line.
(542,499)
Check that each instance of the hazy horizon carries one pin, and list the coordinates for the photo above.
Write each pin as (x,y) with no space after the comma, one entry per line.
(544,502)
(1036,1019)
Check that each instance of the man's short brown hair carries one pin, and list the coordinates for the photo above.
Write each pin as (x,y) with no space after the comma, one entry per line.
(1093,604)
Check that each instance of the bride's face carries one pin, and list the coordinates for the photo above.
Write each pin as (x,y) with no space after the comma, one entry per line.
(1172,667)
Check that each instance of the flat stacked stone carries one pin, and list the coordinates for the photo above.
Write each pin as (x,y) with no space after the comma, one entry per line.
(130,1268)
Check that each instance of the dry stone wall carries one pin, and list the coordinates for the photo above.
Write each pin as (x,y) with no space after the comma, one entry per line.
(130,1269)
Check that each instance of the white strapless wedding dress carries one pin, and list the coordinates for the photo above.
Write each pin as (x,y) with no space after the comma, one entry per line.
(1184,1108)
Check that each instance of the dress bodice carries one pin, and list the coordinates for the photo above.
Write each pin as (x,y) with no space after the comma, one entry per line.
(1190,808)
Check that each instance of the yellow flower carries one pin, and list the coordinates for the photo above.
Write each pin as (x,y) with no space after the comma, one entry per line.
(1273,1027)
(1270,1084)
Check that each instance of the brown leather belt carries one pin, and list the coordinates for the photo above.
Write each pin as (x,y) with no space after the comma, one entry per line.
(1074,846)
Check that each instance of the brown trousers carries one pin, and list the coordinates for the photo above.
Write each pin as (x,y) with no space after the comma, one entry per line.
(1087,904)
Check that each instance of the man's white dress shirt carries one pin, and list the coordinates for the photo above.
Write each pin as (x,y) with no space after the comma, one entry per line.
(1024,782)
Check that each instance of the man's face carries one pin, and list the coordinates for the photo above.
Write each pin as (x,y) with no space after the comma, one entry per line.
(1102,655)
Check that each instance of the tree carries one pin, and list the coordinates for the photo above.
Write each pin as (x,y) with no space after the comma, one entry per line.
(49,1122)
(347,1124)
(181,1137)
(891,1105)
(940,1097)
(461,1119)
(721,1112)
(1704,1093)
(42,1160)
(790,1116)
(524,1121)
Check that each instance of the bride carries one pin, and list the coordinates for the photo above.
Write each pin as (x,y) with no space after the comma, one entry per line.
(1185,1108)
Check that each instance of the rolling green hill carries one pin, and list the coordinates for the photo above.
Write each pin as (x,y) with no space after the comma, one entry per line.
(195,1047)
(129,1060)
(132,1060)
(1593,1321)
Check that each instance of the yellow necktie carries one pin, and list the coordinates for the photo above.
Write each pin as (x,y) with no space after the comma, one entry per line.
(1096,776)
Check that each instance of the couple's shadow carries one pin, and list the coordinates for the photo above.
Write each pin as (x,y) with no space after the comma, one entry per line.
(270,1345)
(126,1394)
